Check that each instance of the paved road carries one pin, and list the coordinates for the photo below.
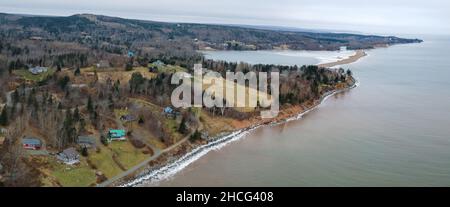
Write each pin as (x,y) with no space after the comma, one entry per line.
(145,162)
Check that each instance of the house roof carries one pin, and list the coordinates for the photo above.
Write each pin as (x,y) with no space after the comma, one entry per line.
(168,110)
(31,141)
(128,117)
(86,140)
(70,153)
(117,132)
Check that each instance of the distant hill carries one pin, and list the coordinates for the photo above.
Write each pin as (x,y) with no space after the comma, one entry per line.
(87,39)
(215,36)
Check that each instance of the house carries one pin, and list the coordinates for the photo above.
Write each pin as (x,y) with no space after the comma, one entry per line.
(117,135)
(69,156)
(31,143)
(168,110)
(158,63)
(86,141)
(38,70)
(127,118)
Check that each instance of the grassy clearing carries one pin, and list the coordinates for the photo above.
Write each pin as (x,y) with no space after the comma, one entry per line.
(118,73)
(216,125)
(120,112)
(231,86)
(157,143)
(72,176)
(104,162)
(168,68)
(155,109)
(173,125)
(127,154)
(170,124)
(27,75)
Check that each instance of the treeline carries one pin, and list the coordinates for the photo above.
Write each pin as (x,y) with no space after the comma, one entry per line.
(297,83)
(57,61)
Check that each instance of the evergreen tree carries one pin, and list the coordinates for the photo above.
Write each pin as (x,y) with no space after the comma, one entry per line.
(182,128)
(195,136)
(104,140)
(77,72)
(90,106)
(84,152)
(76,114)
(4,116)
(349,72)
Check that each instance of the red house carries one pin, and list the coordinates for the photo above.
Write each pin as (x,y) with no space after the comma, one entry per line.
(31,143)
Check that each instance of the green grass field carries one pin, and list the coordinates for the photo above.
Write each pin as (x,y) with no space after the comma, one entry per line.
(27,75)
(127,154)
(74,176)
(104,162)
(169,68)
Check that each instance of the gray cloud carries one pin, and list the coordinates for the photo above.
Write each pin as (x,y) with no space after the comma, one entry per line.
(381,16)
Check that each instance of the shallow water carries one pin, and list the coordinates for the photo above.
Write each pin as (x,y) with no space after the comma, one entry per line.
(392,130)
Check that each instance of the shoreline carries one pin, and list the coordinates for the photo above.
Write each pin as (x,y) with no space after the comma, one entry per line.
(351,59)
(169,169)
(152,174)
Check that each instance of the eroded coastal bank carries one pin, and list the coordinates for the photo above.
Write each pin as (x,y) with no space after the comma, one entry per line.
(170,163)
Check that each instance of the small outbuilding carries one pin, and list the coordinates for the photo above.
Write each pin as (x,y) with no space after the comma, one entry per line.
(86,141)
(168,110)
(31,143)
(128,118)
(69,156)
(117,135)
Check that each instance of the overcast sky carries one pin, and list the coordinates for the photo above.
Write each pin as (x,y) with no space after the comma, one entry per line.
(380,16)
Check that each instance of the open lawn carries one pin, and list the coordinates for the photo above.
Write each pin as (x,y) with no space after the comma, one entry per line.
(216,125)
(27,75)
(169,68)
(118,73)
(120,112)
(173,125)
(73,176)
(170,124)
(127,154)
(104,162)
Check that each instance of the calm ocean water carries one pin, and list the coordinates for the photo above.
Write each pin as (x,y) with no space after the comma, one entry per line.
(392,130)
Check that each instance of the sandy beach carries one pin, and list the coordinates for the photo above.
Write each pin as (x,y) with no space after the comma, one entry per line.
(359,54)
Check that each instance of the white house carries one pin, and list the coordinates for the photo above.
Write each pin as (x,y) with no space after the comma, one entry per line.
(38,70)
(69,156)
